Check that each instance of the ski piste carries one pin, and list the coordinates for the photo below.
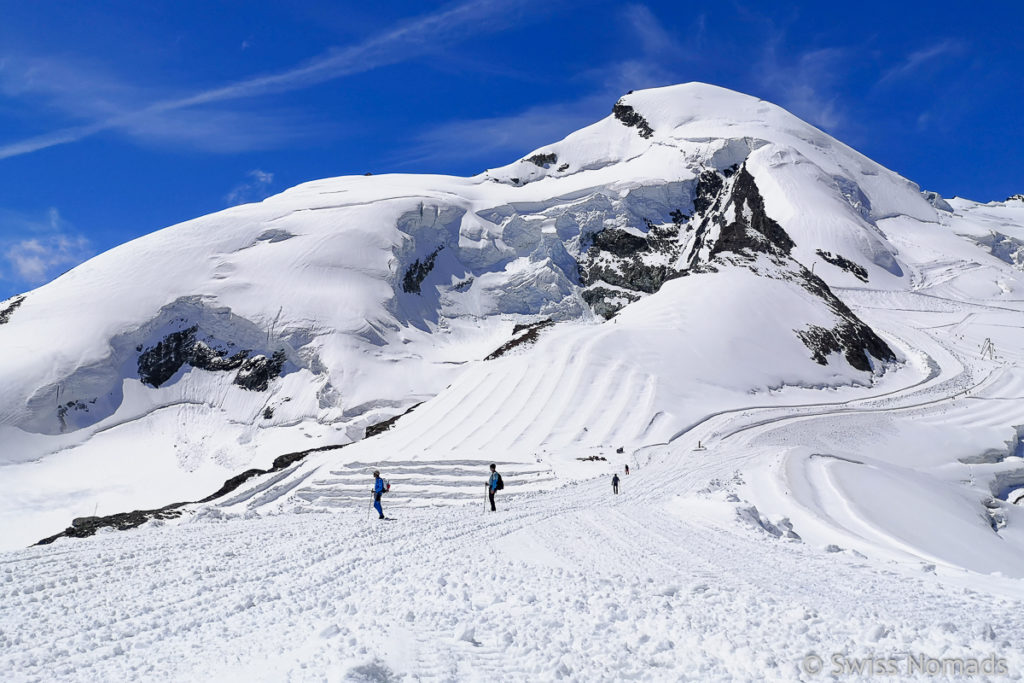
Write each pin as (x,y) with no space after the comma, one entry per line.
(812,367)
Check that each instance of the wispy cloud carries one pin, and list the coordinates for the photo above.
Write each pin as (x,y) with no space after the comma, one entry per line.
(255,188)
(35,249)
(805,83)
(411,38)
(652,36)
(916,61)
(522,131)
(38,259)
(516,133)
(660,56)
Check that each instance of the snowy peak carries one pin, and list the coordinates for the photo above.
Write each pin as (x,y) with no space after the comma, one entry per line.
(692,221)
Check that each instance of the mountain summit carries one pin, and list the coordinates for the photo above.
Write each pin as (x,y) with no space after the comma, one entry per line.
(695,252)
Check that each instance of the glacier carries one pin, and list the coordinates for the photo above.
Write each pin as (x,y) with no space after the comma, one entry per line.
(812,366)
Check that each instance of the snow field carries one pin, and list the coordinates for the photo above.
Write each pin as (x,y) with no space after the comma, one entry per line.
(319,271)
(573,584)
(826,510)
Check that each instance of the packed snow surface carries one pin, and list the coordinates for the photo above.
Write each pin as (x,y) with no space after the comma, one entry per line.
(814,370)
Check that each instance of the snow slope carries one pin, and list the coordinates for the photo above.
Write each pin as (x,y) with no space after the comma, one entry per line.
(705,258)
(813,368)
(575,584)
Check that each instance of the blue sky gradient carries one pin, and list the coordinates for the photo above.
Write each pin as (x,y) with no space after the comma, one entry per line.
(119,118)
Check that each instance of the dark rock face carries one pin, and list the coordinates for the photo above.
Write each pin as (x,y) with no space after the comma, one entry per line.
(631,274)
(206,358)
(256,372)
(853,340)
(1015,198)
(381,427)
(418,271)
(607,302)
(7,311)
(629,117)
(709,186)
(851,337)
(628,265)
(619,242)
(543,160)
(158,364)
(844,263)
(521,334)
(751,228)
(737,210)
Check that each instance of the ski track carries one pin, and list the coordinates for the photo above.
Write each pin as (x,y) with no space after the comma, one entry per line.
(635,593)
(573,583)
(567,583)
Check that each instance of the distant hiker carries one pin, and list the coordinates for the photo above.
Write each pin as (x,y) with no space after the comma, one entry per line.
(615,484)
(494,483)
(627,469)
(378,490)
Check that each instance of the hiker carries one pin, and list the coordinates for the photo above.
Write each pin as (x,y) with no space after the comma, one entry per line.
(378,491)
(494,483)
(615,484)
(627,468)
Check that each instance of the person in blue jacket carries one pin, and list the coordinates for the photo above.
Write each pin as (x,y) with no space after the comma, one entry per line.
(378,491)
(492,485)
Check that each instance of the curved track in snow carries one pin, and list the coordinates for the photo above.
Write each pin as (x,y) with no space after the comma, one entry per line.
(573,584)
(657,583)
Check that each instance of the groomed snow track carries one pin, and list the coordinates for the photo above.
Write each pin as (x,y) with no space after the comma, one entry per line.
(657,583)
(781,514)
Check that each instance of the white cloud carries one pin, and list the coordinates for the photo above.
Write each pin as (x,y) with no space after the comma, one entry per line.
(523,131)
(653,37)
(916,61)
(37,249)
(113,106)
(39,259)
(254,189)
(805,84)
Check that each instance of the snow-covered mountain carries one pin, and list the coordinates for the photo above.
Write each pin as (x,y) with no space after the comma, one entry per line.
(699,266)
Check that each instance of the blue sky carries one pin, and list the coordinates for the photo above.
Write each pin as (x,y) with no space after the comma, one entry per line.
(118,118)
